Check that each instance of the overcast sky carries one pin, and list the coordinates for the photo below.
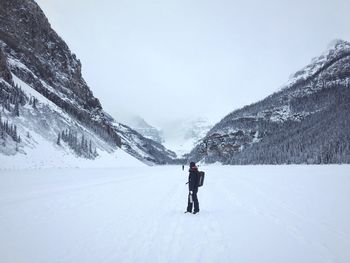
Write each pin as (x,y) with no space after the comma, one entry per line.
(165,59)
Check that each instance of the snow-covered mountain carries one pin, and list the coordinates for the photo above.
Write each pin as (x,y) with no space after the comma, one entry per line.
(181,135)
(178,135)
(307,121)
(140,125)
(144,128)
(44,99)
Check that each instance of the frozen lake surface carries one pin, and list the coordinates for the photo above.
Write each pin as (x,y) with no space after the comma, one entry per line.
(248,214)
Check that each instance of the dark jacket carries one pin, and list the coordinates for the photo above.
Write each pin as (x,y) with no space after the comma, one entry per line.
(193,179)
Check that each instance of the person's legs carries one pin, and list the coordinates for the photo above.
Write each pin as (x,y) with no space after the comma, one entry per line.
(189,203)
(195,201)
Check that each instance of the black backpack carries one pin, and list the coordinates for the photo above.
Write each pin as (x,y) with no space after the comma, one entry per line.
(200,178)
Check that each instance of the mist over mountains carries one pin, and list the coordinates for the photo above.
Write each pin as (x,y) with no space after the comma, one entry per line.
(178,135)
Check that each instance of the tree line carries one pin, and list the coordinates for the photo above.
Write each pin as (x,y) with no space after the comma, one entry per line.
(79,144)
(9,129)
(11,98)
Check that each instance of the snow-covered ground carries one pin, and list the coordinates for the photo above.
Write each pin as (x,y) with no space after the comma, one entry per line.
(248,214)
(56,158)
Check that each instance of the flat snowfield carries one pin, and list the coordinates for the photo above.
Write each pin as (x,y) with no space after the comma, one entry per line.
(247,214)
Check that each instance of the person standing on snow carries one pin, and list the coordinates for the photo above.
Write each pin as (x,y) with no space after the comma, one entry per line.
(193,181)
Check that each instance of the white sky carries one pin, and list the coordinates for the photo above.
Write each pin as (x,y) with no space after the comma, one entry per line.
(165,59)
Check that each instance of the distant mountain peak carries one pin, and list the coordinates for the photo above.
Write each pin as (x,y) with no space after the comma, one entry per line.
(338,43)
(336,49)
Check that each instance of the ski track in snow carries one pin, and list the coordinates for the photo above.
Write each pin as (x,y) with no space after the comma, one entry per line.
(136,214)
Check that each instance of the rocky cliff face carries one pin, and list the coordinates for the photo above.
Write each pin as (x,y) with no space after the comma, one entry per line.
(28,36)
(305,122)
(44,69)
(5,72)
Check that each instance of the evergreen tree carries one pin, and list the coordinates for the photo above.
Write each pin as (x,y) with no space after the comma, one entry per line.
(59,139)
(16,110)
(34,103)
(80,146)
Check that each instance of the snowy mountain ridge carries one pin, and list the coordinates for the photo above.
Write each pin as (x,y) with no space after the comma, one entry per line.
(42,92)
(304,122)
(178,135)
(336,49)
(140,125)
